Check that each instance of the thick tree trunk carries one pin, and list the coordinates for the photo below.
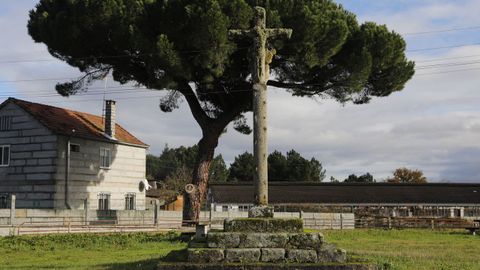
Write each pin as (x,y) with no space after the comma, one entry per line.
(193,200)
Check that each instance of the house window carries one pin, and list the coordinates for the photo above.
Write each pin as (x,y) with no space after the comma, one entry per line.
(130,201)
(224,208)
(3,201)
(103,201)
(74,148)
(105,157)
(4,155)
(243,208)
(5,123)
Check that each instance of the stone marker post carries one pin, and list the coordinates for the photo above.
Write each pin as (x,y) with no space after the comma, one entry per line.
(13,199)
(260,59)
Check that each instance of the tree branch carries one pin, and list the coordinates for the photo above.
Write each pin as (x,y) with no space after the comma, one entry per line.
(197,111)
(225,118)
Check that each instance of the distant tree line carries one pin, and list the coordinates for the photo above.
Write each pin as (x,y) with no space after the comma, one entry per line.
(174,166)
(291,167)
(400,175)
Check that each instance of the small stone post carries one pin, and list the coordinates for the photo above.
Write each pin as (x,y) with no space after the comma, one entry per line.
(155,213)
(85,208)
(13,199)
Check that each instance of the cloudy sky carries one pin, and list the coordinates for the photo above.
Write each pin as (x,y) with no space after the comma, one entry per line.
(432,125)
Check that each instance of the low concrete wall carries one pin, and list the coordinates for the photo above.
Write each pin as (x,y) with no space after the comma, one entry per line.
(51,217)
(412,222)
(4,216)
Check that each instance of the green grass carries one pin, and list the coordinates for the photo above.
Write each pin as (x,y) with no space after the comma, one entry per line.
(401,249)
(412,249)
(87,251)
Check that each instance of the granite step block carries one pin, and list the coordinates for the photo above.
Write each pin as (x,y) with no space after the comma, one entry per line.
(272,255)
(242,255)
(205,255)
(301,256)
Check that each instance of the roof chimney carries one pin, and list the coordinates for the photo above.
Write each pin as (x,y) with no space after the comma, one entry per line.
(110,118)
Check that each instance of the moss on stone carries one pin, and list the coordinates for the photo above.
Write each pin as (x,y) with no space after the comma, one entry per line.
(264,225)
(223,240)
(205,255)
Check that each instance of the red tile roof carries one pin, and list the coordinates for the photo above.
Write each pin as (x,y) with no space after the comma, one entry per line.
(72,123)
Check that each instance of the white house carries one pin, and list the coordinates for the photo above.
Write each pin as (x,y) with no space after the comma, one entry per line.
(57,158)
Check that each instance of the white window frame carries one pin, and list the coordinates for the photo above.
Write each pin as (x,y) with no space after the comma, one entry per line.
(4,163)
(6,122)
(243,208)
(129,203)
(102,198)
(103,157)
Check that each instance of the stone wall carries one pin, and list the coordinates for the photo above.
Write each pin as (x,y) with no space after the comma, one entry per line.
(88,180)
(33,152)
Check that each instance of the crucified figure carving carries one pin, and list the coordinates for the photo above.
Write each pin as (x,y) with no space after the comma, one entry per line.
(260,60)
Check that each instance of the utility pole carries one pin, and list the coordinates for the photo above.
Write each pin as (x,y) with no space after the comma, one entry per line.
(260,59)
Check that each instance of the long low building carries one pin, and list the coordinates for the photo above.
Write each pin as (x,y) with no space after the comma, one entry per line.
(432,199)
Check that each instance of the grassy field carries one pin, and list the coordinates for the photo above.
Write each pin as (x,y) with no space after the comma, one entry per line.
(87,251)
(401,249)
(412,249)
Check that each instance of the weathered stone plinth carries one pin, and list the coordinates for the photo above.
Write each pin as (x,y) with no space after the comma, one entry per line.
(264,240)
(264,225)
(263,243)
(260,212)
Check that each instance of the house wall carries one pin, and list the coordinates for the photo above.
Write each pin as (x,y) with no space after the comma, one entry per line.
(33,154)
(88,180)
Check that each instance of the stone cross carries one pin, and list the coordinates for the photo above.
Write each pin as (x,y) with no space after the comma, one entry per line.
(260,59)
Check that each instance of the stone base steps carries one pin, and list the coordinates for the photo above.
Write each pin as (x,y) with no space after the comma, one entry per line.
(262,244)
(258,266)
(327,254)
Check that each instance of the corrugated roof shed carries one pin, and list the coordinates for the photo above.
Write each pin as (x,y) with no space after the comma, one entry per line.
(351,194)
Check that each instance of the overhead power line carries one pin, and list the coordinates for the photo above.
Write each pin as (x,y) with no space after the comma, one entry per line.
(443,47)
(447,71)
(420,67)
(11,61)
(442,31)
(447,65)
(446,58)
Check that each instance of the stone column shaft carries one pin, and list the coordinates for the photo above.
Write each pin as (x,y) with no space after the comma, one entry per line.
(260,145)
